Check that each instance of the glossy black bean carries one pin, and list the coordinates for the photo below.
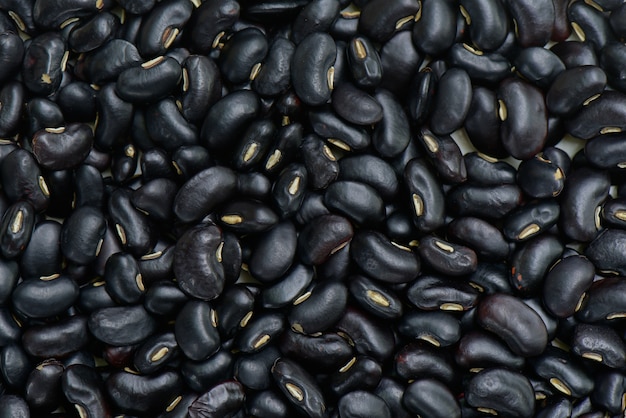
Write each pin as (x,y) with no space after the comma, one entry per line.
(58,293)
(502,391)
(574,88)
(259,331)
(426,195)
(606,151)
(432,292)
(589,24)
(438,328)
(319,308)
(540,178)
(9,271)
(599,343)
(477,350)
(82,234)
(273,254)
(42,256)
(241,53)
(322,237)
(151,81)
(526,335)
(228,118)
(122,325)
(210,21)
(155,198)
(530,220)
(94,296)
(400,61)
(319,161)
(339,133)
(286,290)
(22,179)
(88,186)
(423,92)
(201,193)
(612,59)
(190,160)
(367,110)
(198,275)
(358,201)
(78,102)
(482,123)
(155,352)
(484,238)
(391,135)
(201,376)
(447,258)
(12,99)
(429,397)
(616,20)
(383,259)
(434,29)
(601,116)
(563,372)
(563,301)
(14,406)
(445,155)
(82,387)
(312,71)
(317,16)
(488,23)
(491,277)
(109,61)
(522,110)
(196,330)
(364,63)
(312,207)
(375,298)
(452,102)
(253,370)
(267,404)
(604,300)
(487,171)
(10,328)
(200,76)
(16,229)
(162,25)
(56,339)
(14,366)
(299,387)
(490,202)
(361,404)
(273,77)
(164,298)
(328,352)
(123,280)
(234,309)
(52,16)
(538,65)
(489,68)
(418,359)
(369,335)
(42,390)
(612,211)
(247,216)
(11,54)
(286,144)
(559,408)
(533,21)
(114,119)
(143,394)
(133,228)
(608,392)
(223,400)
(44,64)
(94,32)
(530,262)
(575,54)
(370,170)
(379,20)
(168,128)
(585,191)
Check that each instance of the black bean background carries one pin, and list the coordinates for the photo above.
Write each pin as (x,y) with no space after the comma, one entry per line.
(312,208)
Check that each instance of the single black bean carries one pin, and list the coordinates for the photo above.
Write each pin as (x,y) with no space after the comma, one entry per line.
(247,216)
(368,335)
(383,259)
(328,352)
(585,191)
(37,298)
(114,119)
(312,207)
(574,88)
(253,370)
(502,391)
(139,84)
(603,115)
(492,202)
(438,328)
(234,309)
(201,86)
(224,399)
(42,257)
(122,325)
(445,155)
(44,62)
(133,228)
(14,406)
(530,262)
(487,21)
(364,63)
(155,352)
(418,359)
(288,288)
(209,23)
(241,53)
(429,397)
(259,331)
(57,339)
(15,366)
(43,386)
(485,67)
(312,71)
(563,301)
(322,237)
(168,128)
(530,220)
(379,20)
(341,134)
(563,372)
(82,234)
(94,32)
(391,135)
(155,198)
(452,102)
(488,171)
(162,25)
(434,29)
(525,336)
(539,66)
(319,309)
(533,21)
(196,330)
(433,292)
(482,123)
(608,392)
(423,92)
(361,404)
(375,297)
(447,258)
(82,387)
(603,302)
(612,211)
(267,403)
(143,394)
(273,254)
(477,350)
(273,78)
(299,388)
(599,343)
(319,161)
(77,100)
(522,110)
(484,238)
(22,179)
(164,298)
(589,24)
(426,195)
(400,60)
(123,280)
(203,192)
(16,228)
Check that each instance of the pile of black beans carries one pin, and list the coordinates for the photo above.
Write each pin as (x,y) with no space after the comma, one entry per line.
(261,208)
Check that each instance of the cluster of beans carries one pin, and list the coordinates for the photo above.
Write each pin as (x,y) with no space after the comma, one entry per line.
(256,208)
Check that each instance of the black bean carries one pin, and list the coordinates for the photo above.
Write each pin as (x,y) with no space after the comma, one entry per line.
(379,20)
(364,63)
(391,135)
(288,288)
(44,63)
(16,229)
(539,66)
(375,298)
(599,343)
(419,359)
(484,238)
(200,75)
(452,102)
(42,257)
(490,202)
(601,116)
(122,325)
(361,404)
(267,403)
(56,339)
(447,258)
(253,370)
(155,352)
(338,132)
(94,32)
(168,128)
(196,330)
(329,351)
(43,386)
(14,366)
(259,331)
(322,237)
(487,21)
(400,60)
(426,195)
(434,292)
(434,28)
(132,84)
(142,394)
(445,155)
(224,399)
(312,72)
(164,298)
(368,335)
(58,293)
(561,370)
(14,406)
(608,392)
(482,123)
(241,53)
(319,308)
(423,88)
(478,350)
(210,22)
(429,397)
(501,391)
